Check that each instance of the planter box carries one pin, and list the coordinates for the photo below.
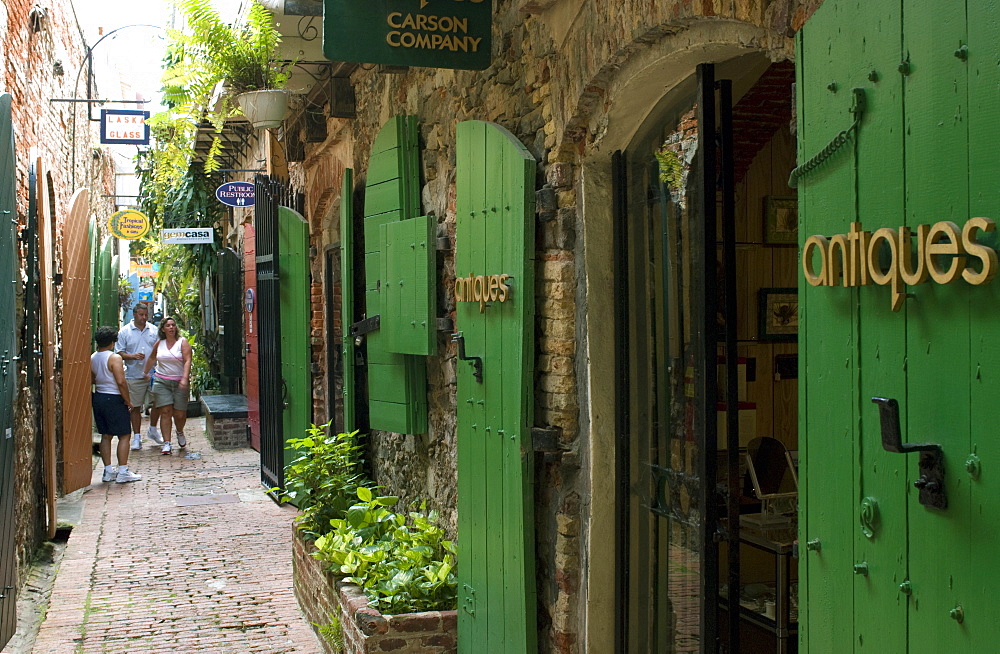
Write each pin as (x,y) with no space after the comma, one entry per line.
(366,631)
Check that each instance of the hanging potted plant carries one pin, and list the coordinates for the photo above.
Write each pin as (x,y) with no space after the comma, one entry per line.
(225,69)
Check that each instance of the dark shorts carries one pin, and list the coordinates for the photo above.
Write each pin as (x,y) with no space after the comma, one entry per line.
(110,414)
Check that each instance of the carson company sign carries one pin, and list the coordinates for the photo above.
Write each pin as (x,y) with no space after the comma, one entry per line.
(431,33)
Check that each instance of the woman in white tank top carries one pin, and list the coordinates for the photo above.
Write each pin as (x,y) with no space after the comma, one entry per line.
(171,387)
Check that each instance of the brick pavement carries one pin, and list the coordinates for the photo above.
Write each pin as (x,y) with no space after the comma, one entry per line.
(143,574)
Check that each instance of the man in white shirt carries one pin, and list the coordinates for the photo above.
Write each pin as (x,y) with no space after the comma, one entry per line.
(135,342)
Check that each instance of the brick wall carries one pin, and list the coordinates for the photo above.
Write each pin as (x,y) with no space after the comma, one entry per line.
(40,63)
(225,433)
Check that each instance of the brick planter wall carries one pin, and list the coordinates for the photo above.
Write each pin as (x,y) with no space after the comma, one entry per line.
(366,631)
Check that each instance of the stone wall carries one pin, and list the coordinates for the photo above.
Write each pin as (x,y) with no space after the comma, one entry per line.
(553,85)
(42,54)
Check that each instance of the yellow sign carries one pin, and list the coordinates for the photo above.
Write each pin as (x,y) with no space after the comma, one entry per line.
(853,259)
(129,224)
(482,289)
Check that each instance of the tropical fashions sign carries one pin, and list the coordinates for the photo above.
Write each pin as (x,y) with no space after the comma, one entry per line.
(431,33)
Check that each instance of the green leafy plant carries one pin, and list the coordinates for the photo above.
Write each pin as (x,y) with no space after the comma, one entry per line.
(332,632)
(402,562)
(670,167)
(323,479)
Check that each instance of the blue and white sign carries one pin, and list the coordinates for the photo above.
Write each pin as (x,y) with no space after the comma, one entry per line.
(236,194)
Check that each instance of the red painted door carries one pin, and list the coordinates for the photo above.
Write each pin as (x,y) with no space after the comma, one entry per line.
(250,332)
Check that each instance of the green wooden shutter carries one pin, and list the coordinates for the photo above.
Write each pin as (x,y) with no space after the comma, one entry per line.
(347,296)
(8,372)
(296,352)
(95,258)
(397,383)
(107,289)
(495,236)
(407,291)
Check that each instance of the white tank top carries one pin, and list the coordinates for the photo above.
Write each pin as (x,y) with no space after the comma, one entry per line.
(105,380)
(170,360)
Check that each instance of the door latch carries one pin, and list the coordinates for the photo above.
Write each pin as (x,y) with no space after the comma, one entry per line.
(477,362)
(931,481)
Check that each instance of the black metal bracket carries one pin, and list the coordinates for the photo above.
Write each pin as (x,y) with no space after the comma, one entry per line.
(362,327)
(477,362)
(931,481)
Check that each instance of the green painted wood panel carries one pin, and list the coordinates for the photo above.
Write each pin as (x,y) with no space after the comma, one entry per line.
(495,235)
(347,312)
(408,291)
(984,171)
(392,195)
(95,257)
(107,293)
(828,344)
(296,352)
(938,321)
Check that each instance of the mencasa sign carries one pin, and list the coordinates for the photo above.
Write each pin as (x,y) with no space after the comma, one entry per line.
(943,252)
(432,33)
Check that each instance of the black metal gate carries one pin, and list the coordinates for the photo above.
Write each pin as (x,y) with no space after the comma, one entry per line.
(229,285)
(8,373)
(271,194)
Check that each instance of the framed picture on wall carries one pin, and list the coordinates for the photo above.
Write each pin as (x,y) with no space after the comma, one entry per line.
(779,314)
(781,220)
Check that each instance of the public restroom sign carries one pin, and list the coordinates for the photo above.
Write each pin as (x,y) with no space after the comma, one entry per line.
(236,194)
(126,126)
(942,252)
(431,33)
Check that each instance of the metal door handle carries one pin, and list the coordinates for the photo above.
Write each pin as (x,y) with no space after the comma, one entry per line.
(931,481)
(477,362)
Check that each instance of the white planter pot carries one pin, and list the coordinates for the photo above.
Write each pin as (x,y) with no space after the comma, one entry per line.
(264,109)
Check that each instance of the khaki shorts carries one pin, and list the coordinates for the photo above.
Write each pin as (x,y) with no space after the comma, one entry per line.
(138,391)
(166,392)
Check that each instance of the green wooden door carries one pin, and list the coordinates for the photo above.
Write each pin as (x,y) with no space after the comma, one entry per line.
(293,271)
(107,289)
(494,315)
(8,372)
(397,377)
(915,577)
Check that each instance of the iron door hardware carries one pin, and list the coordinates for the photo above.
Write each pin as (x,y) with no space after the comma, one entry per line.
(362,327)
(477,362)
(931,481)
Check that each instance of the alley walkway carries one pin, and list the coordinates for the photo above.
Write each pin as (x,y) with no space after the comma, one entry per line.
(192,558)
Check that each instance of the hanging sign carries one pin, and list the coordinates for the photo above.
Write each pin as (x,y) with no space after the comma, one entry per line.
(431,33)
(187,235)
(129,224)
(236,194)
(126,126)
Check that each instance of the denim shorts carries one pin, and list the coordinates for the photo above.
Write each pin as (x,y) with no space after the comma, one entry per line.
(110,414)
(166,392)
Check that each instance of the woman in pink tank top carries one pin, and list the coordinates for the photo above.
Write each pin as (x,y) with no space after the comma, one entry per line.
(171,387)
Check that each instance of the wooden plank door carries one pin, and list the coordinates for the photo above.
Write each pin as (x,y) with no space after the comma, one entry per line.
(250,334)
(231,301)
(495,248)
(47,330)
(8,372)
(77,431)
(923,152)
(293,270)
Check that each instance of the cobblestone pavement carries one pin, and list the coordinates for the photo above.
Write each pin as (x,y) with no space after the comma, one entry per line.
(192,558)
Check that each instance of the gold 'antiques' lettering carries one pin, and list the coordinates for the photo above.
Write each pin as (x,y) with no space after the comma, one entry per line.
(493,288)
(853,258)
(409,31)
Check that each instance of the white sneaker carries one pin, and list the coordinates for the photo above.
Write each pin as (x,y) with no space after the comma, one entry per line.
(182,441)
(165,449)
(136,441)
(126,476)
(154,435)
(109,475)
